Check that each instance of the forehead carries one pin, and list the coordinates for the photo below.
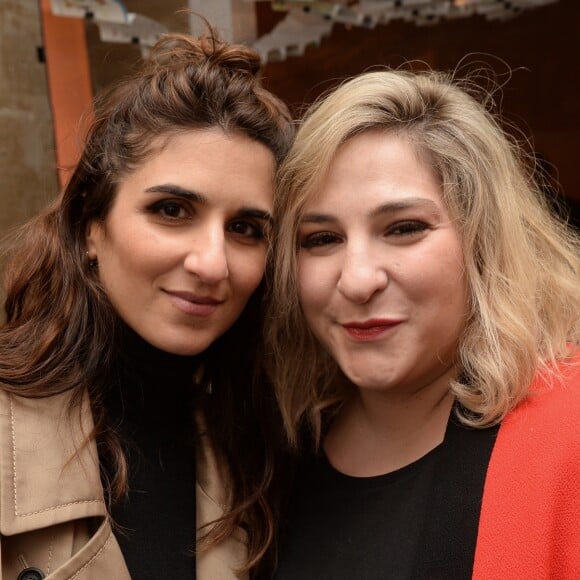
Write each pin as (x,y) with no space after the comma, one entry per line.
(220,167)
(376,166)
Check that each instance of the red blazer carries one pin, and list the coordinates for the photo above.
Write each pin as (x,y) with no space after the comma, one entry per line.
(530,517)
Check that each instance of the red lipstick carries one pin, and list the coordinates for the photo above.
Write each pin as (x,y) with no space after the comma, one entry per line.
(370,329)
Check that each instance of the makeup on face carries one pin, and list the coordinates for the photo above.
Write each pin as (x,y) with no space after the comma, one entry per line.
(380,266)
(184,245)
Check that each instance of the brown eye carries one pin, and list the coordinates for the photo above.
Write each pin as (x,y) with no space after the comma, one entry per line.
(246,229)
(406,228)
(319,239)
(169,209)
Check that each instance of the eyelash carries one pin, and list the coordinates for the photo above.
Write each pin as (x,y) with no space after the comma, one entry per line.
(407,228)
(159,208)
(398,229)
(258,232)
(319,239)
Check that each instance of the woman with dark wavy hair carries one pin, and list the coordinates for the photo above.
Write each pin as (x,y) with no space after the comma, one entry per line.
(133,315)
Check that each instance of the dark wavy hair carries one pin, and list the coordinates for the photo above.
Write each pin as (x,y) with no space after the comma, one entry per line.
(61,333)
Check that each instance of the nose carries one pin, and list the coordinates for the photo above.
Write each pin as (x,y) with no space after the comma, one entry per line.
(362,275)
(207,257)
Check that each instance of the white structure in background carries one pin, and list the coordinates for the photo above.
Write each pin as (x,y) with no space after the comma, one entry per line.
(305,24)
(372,12)
(288,39)
(106,10)
(234,20)
(138,29)
(114,21)
(291,36)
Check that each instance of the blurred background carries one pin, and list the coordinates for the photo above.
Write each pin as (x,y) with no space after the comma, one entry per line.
(56,54)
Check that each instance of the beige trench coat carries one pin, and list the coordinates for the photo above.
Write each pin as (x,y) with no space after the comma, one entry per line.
(52,513)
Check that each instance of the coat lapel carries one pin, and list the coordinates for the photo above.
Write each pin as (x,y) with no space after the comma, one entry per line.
(48,466)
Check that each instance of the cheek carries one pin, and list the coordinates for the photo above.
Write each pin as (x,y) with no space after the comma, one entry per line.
(439,269)
(246,272)
(128,255)
(445,288)
(454,280)
(314,287)
(305,282)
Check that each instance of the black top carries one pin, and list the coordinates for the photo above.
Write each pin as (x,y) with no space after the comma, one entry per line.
(150,408)
(419,522)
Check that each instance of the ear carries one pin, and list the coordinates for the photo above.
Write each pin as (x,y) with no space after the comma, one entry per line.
(93,239)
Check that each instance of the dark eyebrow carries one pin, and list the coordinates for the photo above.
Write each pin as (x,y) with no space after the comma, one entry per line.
(402,204)
(389,207)
(260,214)
(317,218)
(247,212)
(178,192)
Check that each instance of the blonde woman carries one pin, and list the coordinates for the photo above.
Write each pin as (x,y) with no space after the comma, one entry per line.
(425,329)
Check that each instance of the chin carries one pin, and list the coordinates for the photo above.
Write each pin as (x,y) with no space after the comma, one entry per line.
(180,346)
(365,382)
(184,349)
(367,385)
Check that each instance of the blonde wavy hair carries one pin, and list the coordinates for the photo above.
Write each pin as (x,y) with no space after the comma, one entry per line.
(522,262)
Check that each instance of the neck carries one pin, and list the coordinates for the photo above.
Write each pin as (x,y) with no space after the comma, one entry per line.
(149,384)
(377,432)
(142,360)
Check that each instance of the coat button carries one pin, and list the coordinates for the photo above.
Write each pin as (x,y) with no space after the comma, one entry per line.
(31,574)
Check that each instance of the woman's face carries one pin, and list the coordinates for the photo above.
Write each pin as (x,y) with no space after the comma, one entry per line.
(380,267)
(184,245)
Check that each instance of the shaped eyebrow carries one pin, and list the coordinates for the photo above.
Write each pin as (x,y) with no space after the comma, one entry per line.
(317,218)
(201,199)
(384,208)
(179,191)
(403,204)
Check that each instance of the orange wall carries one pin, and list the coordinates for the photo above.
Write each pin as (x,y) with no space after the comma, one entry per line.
(69,82)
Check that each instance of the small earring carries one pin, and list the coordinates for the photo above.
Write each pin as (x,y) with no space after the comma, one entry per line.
(92,262)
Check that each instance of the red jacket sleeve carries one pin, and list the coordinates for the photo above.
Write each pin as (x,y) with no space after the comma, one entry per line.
(530,516)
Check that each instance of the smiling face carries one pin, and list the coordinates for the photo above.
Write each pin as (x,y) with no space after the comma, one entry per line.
(184,245)
(380,267)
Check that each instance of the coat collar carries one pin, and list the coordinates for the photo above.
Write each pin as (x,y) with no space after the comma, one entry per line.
(49,474)
(49,469)
(212,499)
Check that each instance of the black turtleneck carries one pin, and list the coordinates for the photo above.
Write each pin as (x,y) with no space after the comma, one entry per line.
(150,408)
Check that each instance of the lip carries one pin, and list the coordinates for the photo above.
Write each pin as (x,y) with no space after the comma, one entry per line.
(371,329)
(193,304)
